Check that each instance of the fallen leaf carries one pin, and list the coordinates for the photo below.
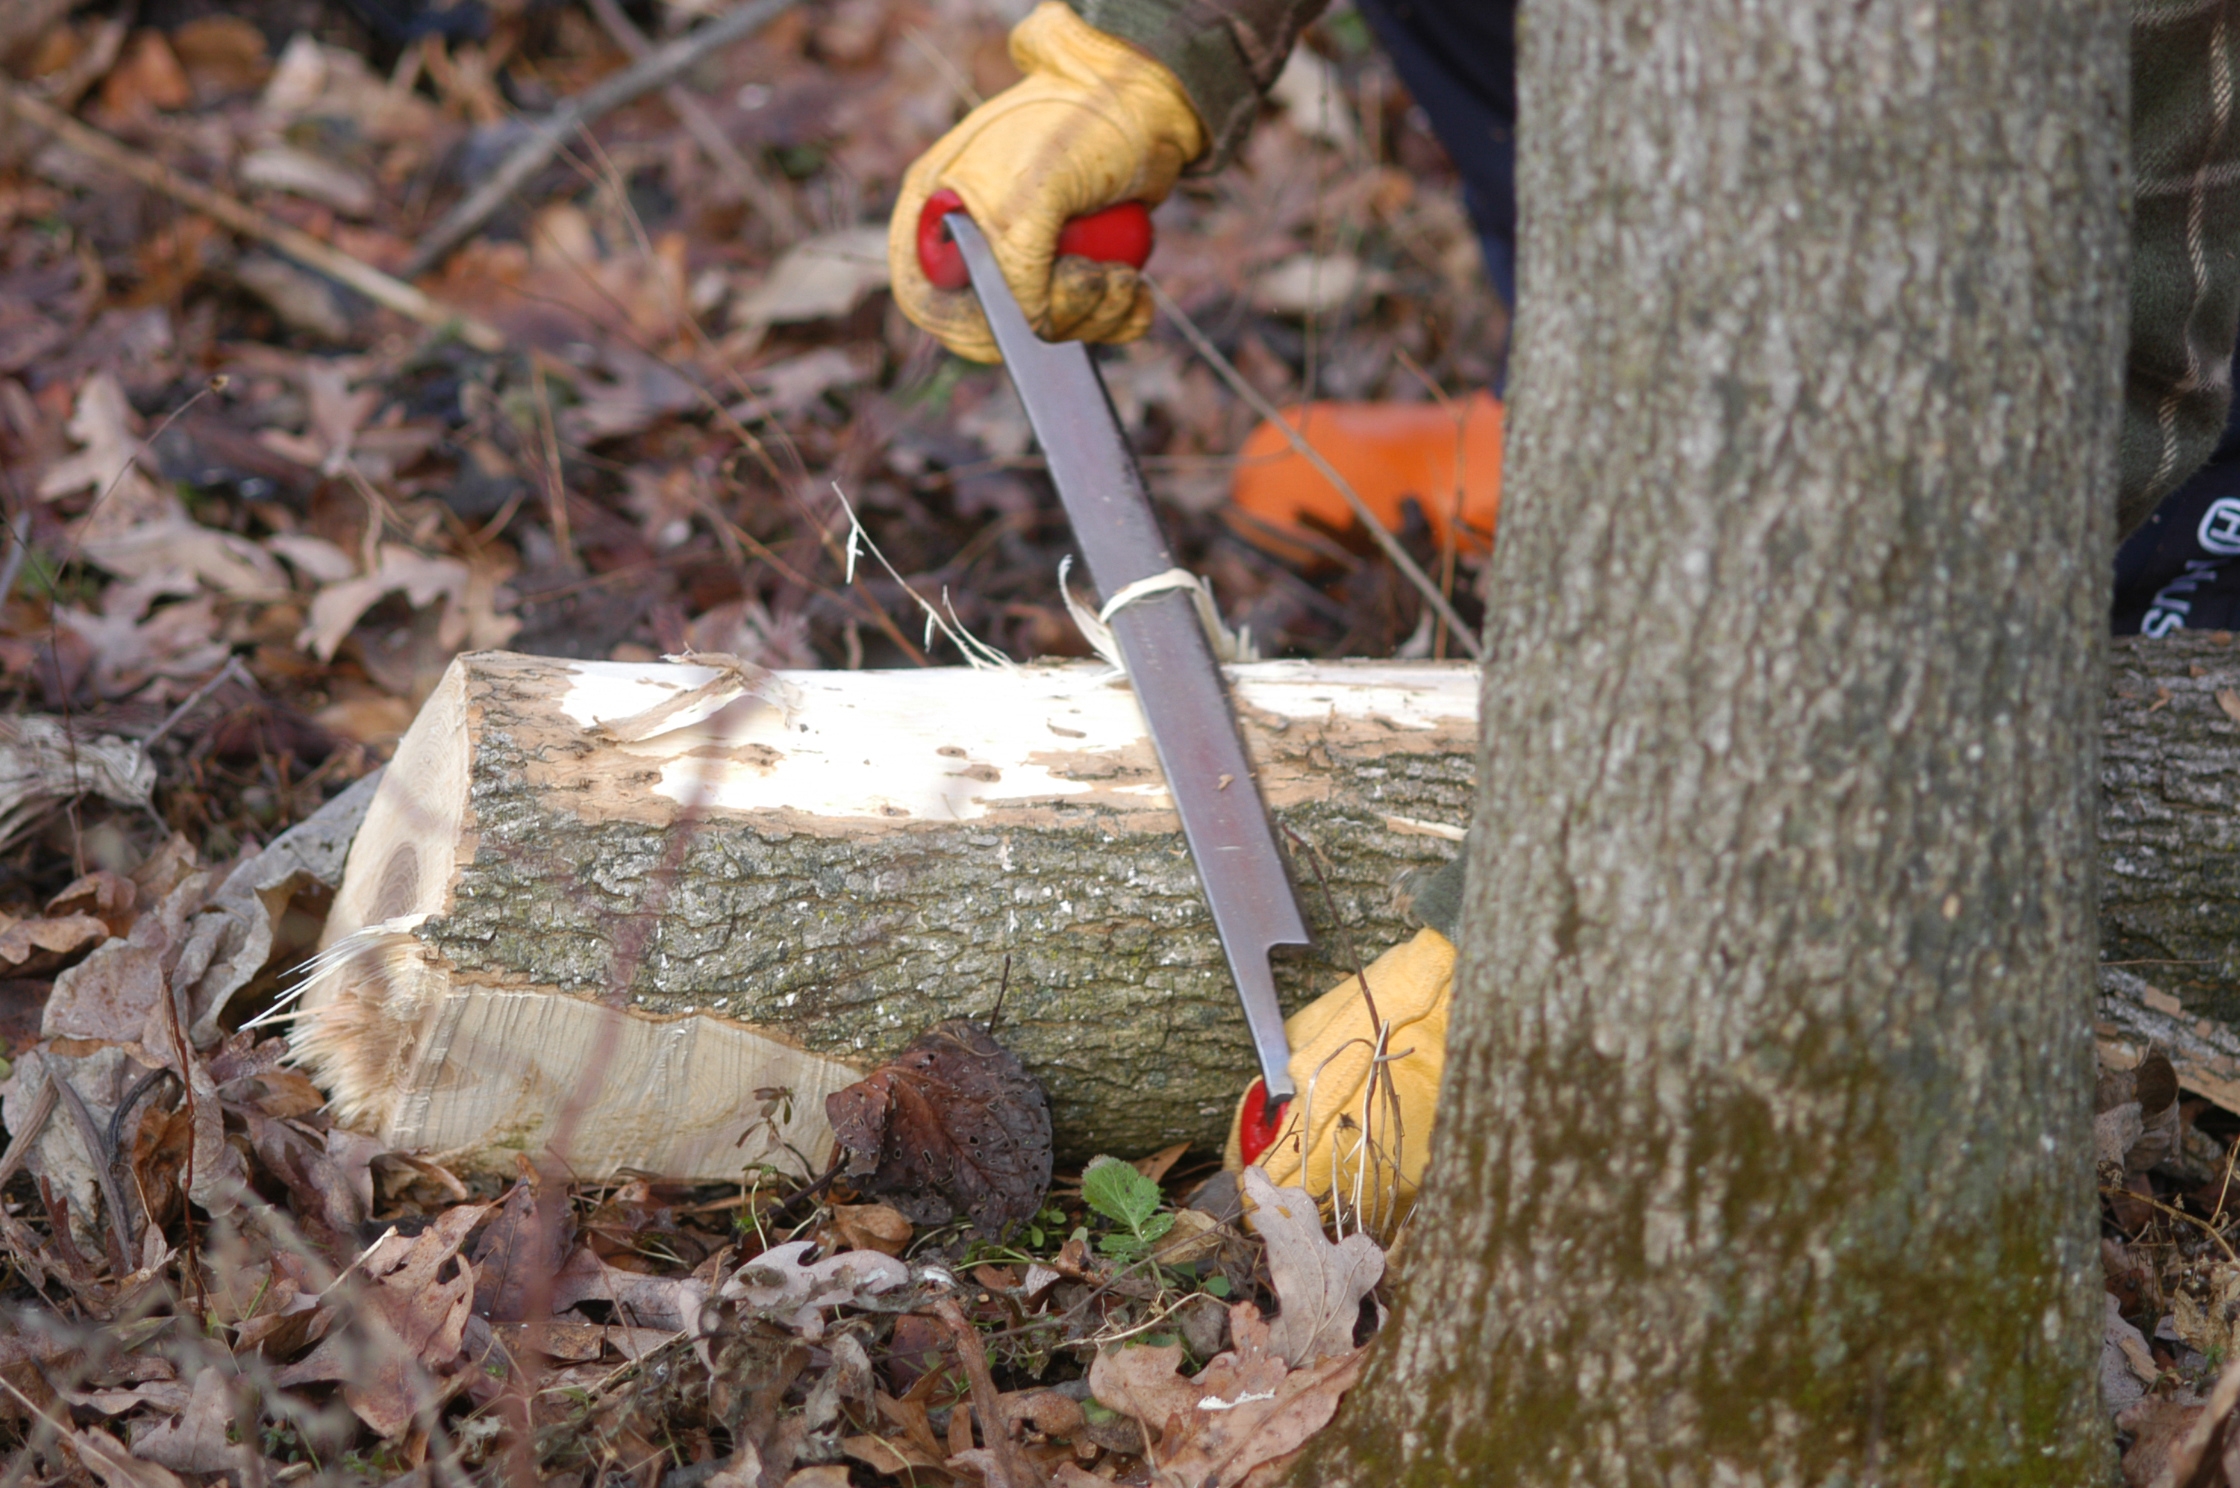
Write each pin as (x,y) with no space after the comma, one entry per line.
(46,761)
(147,77)
(411,1321)
(301,173)
(107,896)
(1319,1285)
(818,279)
(30,947)
(826,1475)
(879,1227)
(1246,1409)
(2229,700)
(951,1123)
(1156,1165)
(468,615)
(112,463)
(116,1468)
(670,1303)
(2158,1430)
(195,1440)
(520,1252)
(783,1285)
(1307,285)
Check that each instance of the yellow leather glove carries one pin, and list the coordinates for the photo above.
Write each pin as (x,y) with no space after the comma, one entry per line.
(1094,122)
(1340,1134)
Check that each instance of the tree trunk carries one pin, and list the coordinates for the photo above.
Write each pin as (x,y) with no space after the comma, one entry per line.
(549,934)
(1764,1154)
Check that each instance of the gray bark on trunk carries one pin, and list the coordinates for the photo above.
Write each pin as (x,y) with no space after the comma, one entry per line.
(1764,1154)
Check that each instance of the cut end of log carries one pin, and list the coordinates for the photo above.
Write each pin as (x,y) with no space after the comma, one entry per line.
(368,998)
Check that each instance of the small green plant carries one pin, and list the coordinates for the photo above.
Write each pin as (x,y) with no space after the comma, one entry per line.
(1117,1191)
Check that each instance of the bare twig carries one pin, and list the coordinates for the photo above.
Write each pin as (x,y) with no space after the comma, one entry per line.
(1016,1469)
(382,289)
(233,670)
(19,1143)
(1408,567)
(124,1244)
(655,69)
(748,180)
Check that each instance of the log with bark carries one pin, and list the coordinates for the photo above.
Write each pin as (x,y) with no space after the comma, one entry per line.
(2170,859)
(629,939)
(571,925)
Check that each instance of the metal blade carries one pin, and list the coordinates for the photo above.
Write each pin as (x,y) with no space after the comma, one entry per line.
(1177,682)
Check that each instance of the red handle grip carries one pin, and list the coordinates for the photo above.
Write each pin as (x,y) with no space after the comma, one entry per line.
(1118,234)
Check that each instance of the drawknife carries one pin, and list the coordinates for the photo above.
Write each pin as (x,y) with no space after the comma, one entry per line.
(1161,639)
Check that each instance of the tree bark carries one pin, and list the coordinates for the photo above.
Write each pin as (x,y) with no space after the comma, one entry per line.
(1764,1150)
(613,943)
(2170,825)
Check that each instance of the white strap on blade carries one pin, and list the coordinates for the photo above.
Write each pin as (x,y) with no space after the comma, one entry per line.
(1096,625)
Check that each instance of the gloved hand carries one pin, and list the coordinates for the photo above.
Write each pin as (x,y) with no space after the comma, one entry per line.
(1094,122)
(1340,1134)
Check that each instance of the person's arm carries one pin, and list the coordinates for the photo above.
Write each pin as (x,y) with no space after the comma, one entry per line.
(2185,248)
(1112,108)
(1226,53)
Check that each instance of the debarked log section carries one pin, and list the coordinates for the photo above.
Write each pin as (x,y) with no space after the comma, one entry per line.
(618,950)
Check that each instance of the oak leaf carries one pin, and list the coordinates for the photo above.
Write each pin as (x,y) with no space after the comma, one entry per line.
(1320,1285)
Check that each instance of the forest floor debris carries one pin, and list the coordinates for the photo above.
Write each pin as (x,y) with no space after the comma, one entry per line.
(263,479)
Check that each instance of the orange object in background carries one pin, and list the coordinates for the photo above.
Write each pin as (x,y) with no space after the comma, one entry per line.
(1388,452)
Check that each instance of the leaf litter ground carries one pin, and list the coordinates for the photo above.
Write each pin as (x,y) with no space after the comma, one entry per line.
(252,516)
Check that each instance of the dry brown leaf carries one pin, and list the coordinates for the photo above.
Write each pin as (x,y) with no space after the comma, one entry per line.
(467,594)
(952,1123)
(195,1440)
(136,528)
(1318,1284)
(1246,1409)
(890,1457)
(412,1321)
(2158,1429)
(520,1252)
(30,947)
(825,1475)
(115,1467)
(822,277)
(670,1303)
(147,78)
(1143,1382)
(45,761)
(2229,700)
(1156,1165)
(879,1227)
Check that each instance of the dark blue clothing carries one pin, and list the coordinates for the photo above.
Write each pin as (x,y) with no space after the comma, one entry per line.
(1459,60)
(2181,569)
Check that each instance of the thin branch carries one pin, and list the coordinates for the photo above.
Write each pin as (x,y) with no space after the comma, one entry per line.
(655,69)
(751,183)
(1408,567)
(232,212)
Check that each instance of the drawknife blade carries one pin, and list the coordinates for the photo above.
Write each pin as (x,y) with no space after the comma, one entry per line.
(1177,683)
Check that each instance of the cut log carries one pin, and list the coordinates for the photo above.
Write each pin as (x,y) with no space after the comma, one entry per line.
(605,911)
(2170,860)
(617,944)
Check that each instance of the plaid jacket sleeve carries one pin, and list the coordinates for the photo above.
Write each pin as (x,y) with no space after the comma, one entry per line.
(2185,244)
(1226,52)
